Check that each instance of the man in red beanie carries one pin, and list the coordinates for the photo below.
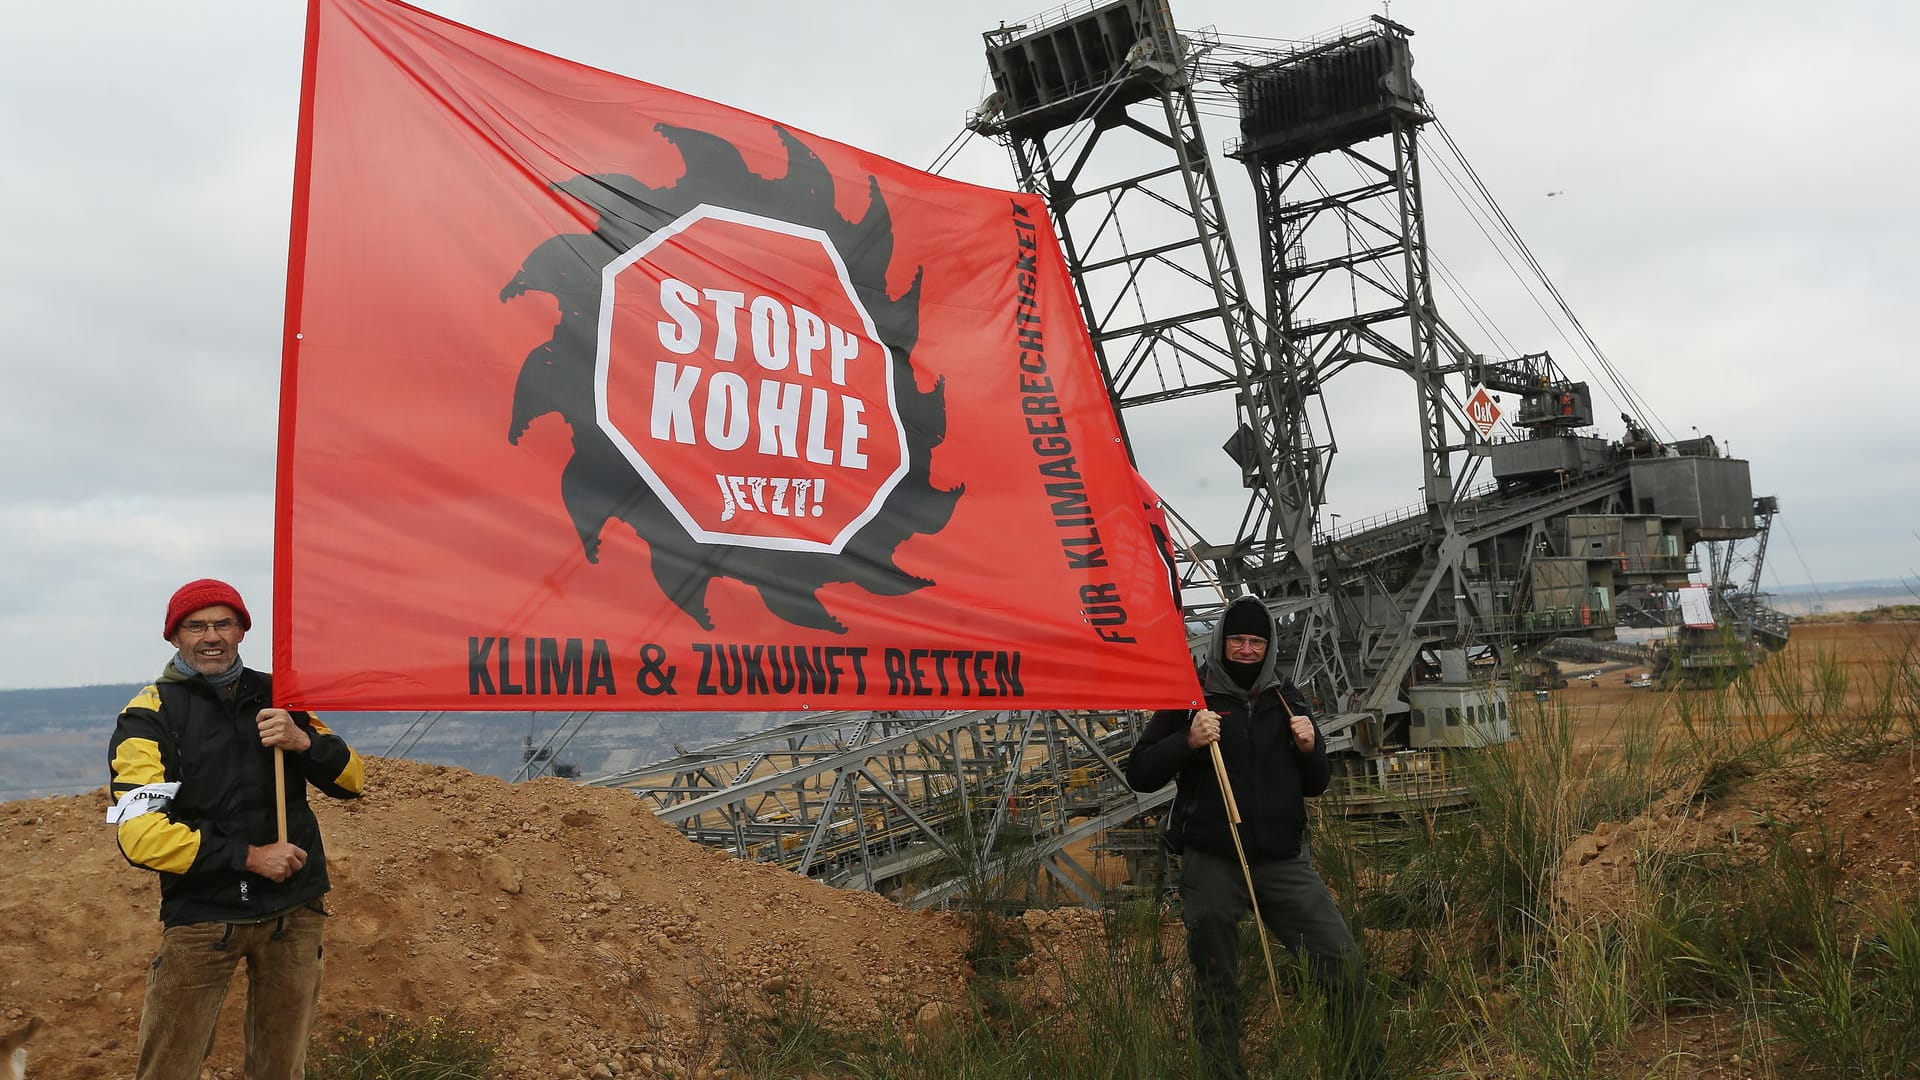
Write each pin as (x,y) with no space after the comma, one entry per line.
(193,779)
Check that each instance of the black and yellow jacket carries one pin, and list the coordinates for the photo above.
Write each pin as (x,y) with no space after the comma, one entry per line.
(193,788)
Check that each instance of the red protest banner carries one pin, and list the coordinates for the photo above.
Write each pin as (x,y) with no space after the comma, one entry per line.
(596,395)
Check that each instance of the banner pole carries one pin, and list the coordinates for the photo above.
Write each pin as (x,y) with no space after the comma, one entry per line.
(1246,869)
(280,795)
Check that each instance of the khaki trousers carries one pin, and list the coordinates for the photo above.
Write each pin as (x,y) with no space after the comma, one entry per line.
(187,984)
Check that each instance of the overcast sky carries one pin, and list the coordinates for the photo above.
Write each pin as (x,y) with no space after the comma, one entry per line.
(1733,226)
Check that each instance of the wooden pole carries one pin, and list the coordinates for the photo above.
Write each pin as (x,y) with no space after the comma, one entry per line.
(280,792)
(1194,557)
(1233,817)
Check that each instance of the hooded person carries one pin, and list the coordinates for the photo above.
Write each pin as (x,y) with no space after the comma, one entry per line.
(1275,760)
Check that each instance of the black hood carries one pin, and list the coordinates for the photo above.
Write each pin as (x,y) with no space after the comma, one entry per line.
(1217,674)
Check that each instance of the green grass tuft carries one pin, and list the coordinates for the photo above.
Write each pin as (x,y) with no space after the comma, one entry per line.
(400,1048)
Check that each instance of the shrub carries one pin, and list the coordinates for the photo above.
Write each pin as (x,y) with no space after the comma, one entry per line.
(400,1048)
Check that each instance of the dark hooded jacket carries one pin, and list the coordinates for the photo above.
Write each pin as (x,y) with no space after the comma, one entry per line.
(1271,778)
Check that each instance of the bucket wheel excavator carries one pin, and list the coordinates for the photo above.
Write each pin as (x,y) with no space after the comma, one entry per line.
(1409,628)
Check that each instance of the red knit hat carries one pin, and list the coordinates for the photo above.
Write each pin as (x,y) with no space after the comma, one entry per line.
(204,593)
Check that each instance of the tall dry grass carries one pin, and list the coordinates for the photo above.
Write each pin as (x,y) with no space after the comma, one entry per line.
(1477,971)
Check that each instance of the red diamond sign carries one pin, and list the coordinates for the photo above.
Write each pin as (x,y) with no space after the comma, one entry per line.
(1483,411)
(743,379)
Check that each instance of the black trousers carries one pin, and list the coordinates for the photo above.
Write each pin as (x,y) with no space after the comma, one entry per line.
(1297,910)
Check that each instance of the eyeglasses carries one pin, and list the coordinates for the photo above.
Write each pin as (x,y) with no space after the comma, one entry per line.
(197,627)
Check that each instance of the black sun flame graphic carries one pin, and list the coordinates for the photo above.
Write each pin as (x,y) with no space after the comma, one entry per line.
(599,484)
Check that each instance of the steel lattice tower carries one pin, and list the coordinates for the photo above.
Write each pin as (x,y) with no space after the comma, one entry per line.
(1098,112)
(1404,628)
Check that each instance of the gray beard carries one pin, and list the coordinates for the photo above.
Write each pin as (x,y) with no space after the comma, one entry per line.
(181,665)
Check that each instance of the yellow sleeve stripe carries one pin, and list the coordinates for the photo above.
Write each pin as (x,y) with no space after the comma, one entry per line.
(352,778)
(136,762)
(148,698)
(153,841)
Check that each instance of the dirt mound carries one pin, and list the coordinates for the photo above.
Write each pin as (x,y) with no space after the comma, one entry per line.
(594,940)
(1871,810)
(567,920)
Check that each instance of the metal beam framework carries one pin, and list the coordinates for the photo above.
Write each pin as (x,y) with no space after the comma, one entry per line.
(1334,160)
(927,806)
(915,805)
(1134,199)
(1734,568)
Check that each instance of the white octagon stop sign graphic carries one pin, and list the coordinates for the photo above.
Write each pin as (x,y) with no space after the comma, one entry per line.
(739,373)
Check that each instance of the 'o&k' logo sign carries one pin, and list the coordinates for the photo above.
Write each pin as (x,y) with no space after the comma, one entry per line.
(1482,411)
(742,378)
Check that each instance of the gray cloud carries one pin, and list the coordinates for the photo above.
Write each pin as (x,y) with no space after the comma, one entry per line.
(1734,231)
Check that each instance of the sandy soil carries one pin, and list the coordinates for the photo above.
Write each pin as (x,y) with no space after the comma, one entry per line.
(1863,651)
(1873,809)
(598,941)
(1870,812)
(566,917)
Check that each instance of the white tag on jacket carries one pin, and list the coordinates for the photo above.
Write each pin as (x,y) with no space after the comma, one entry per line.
(142,800)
